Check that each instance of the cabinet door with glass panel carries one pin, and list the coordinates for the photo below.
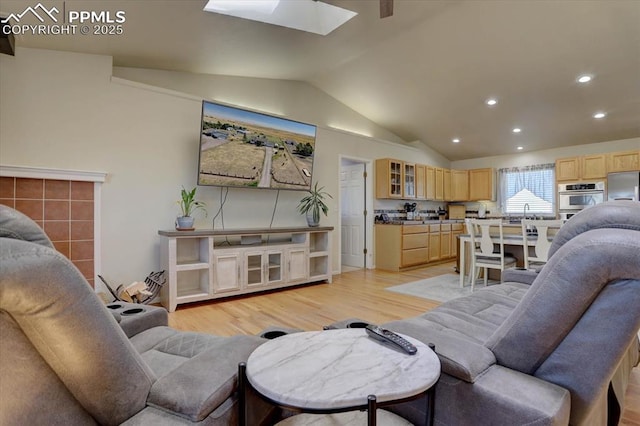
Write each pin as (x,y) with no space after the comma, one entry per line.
(409,180)
(263,268)
(389,178)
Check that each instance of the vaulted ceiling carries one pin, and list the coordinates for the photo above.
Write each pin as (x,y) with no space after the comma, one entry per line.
(423,73)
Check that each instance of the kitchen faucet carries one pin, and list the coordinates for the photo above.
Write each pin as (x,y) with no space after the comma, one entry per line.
(530,229)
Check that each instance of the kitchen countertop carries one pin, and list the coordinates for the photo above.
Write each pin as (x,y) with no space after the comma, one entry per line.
(505,222)
(421,222)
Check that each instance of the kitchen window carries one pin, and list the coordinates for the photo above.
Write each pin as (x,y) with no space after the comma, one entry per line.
(532,185)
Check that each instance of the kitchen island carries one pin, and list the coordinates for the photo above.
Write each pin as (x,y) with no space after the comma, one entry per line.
(513,241)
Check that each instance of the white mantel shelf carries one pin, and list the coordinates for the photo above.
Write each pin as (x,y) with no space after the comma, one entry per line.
(49,173)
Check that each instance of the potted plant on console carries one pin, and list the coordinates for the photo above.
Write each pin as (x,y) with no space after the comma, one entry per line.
(313,203)
(188,205)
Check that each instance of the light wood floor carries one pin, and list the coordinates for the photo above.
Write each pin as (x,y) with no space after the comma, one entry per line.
(357,294)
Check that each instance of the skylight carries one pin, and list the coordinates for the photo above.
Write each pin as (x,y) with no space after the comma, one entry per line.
(304,15)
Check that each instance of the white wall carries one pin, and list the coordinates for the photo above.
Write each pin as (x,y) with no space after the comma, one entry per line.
(63,110)
(293,99)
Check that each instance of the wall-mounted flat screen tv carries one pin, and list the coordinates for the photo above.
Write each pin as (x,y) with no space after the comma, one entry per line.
(247,149)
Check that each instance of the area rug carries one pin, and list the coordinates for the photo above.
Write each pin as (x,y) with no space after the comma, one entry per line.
(441,288)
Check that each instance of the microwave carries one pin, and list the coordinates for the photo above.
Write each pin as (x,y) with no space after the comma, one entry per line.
(580,196)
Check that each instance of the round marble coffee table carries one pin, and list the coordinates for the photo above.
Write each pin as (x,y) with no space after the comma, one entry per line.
(337,370)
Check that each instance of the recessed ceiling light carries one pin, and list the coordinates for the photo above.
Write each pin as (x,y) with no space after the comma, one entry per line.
(491,101)
(520,148)
(456,140)
(600,115)
(517,130)
(584,78)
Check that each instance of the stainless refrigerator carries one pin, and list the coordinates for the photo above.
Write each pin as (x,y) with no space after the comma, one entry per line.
(623,186)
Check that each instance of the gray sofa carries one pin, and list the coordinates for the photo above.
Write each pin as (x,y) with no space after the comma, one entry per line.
(65,360)
(549,348)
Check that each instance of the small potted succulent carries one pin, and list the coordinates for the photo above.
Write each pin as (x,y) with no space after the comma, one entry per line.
(312,204)
(188,205)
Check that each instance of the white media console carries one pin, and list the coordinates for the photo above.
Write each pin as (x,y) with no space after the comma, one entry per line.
(208,264)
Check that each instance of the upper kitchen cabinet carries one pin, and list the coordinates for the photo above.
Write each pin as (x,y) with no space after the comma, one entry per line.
(439,192)
(626,161)
(430,182)
(459,185)
(594,166)
(482,184)
(585,167)
(421,193)
(446,182)
(568,169)
(409,190)
(389,178)
(396,179)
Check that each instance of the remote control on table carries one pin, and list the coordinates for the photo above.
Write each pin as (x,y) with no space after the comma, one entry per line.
(390,338)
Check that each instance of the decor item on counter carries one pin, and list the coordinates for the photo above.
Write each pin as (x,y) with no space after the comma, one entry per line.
(188,205)
(482,211)
(410,209)
(313,203)
(383,218)
(456,211)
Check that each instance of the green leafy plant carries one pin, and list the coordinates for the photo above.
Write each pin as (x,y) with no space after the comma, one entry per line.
(188,203)
(314,203)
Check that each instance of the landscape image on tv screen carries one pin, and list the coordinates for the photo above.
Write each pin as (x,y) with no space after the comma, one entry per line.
(249,149)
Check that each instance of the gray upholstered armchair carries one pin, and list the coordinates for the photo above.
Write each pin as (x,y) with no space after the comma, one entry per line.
(557,351)
(65,360)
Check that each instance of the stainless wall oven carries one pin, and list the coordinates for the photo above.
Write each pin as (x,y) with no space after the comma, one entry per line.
(573,197)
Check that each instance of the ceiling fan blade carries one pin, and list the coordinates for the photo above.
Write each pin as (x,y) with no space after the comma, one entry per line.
(386,8)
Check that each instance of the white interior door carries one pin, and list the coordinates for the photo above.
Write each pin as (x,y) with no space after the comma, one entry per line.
(352,196)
